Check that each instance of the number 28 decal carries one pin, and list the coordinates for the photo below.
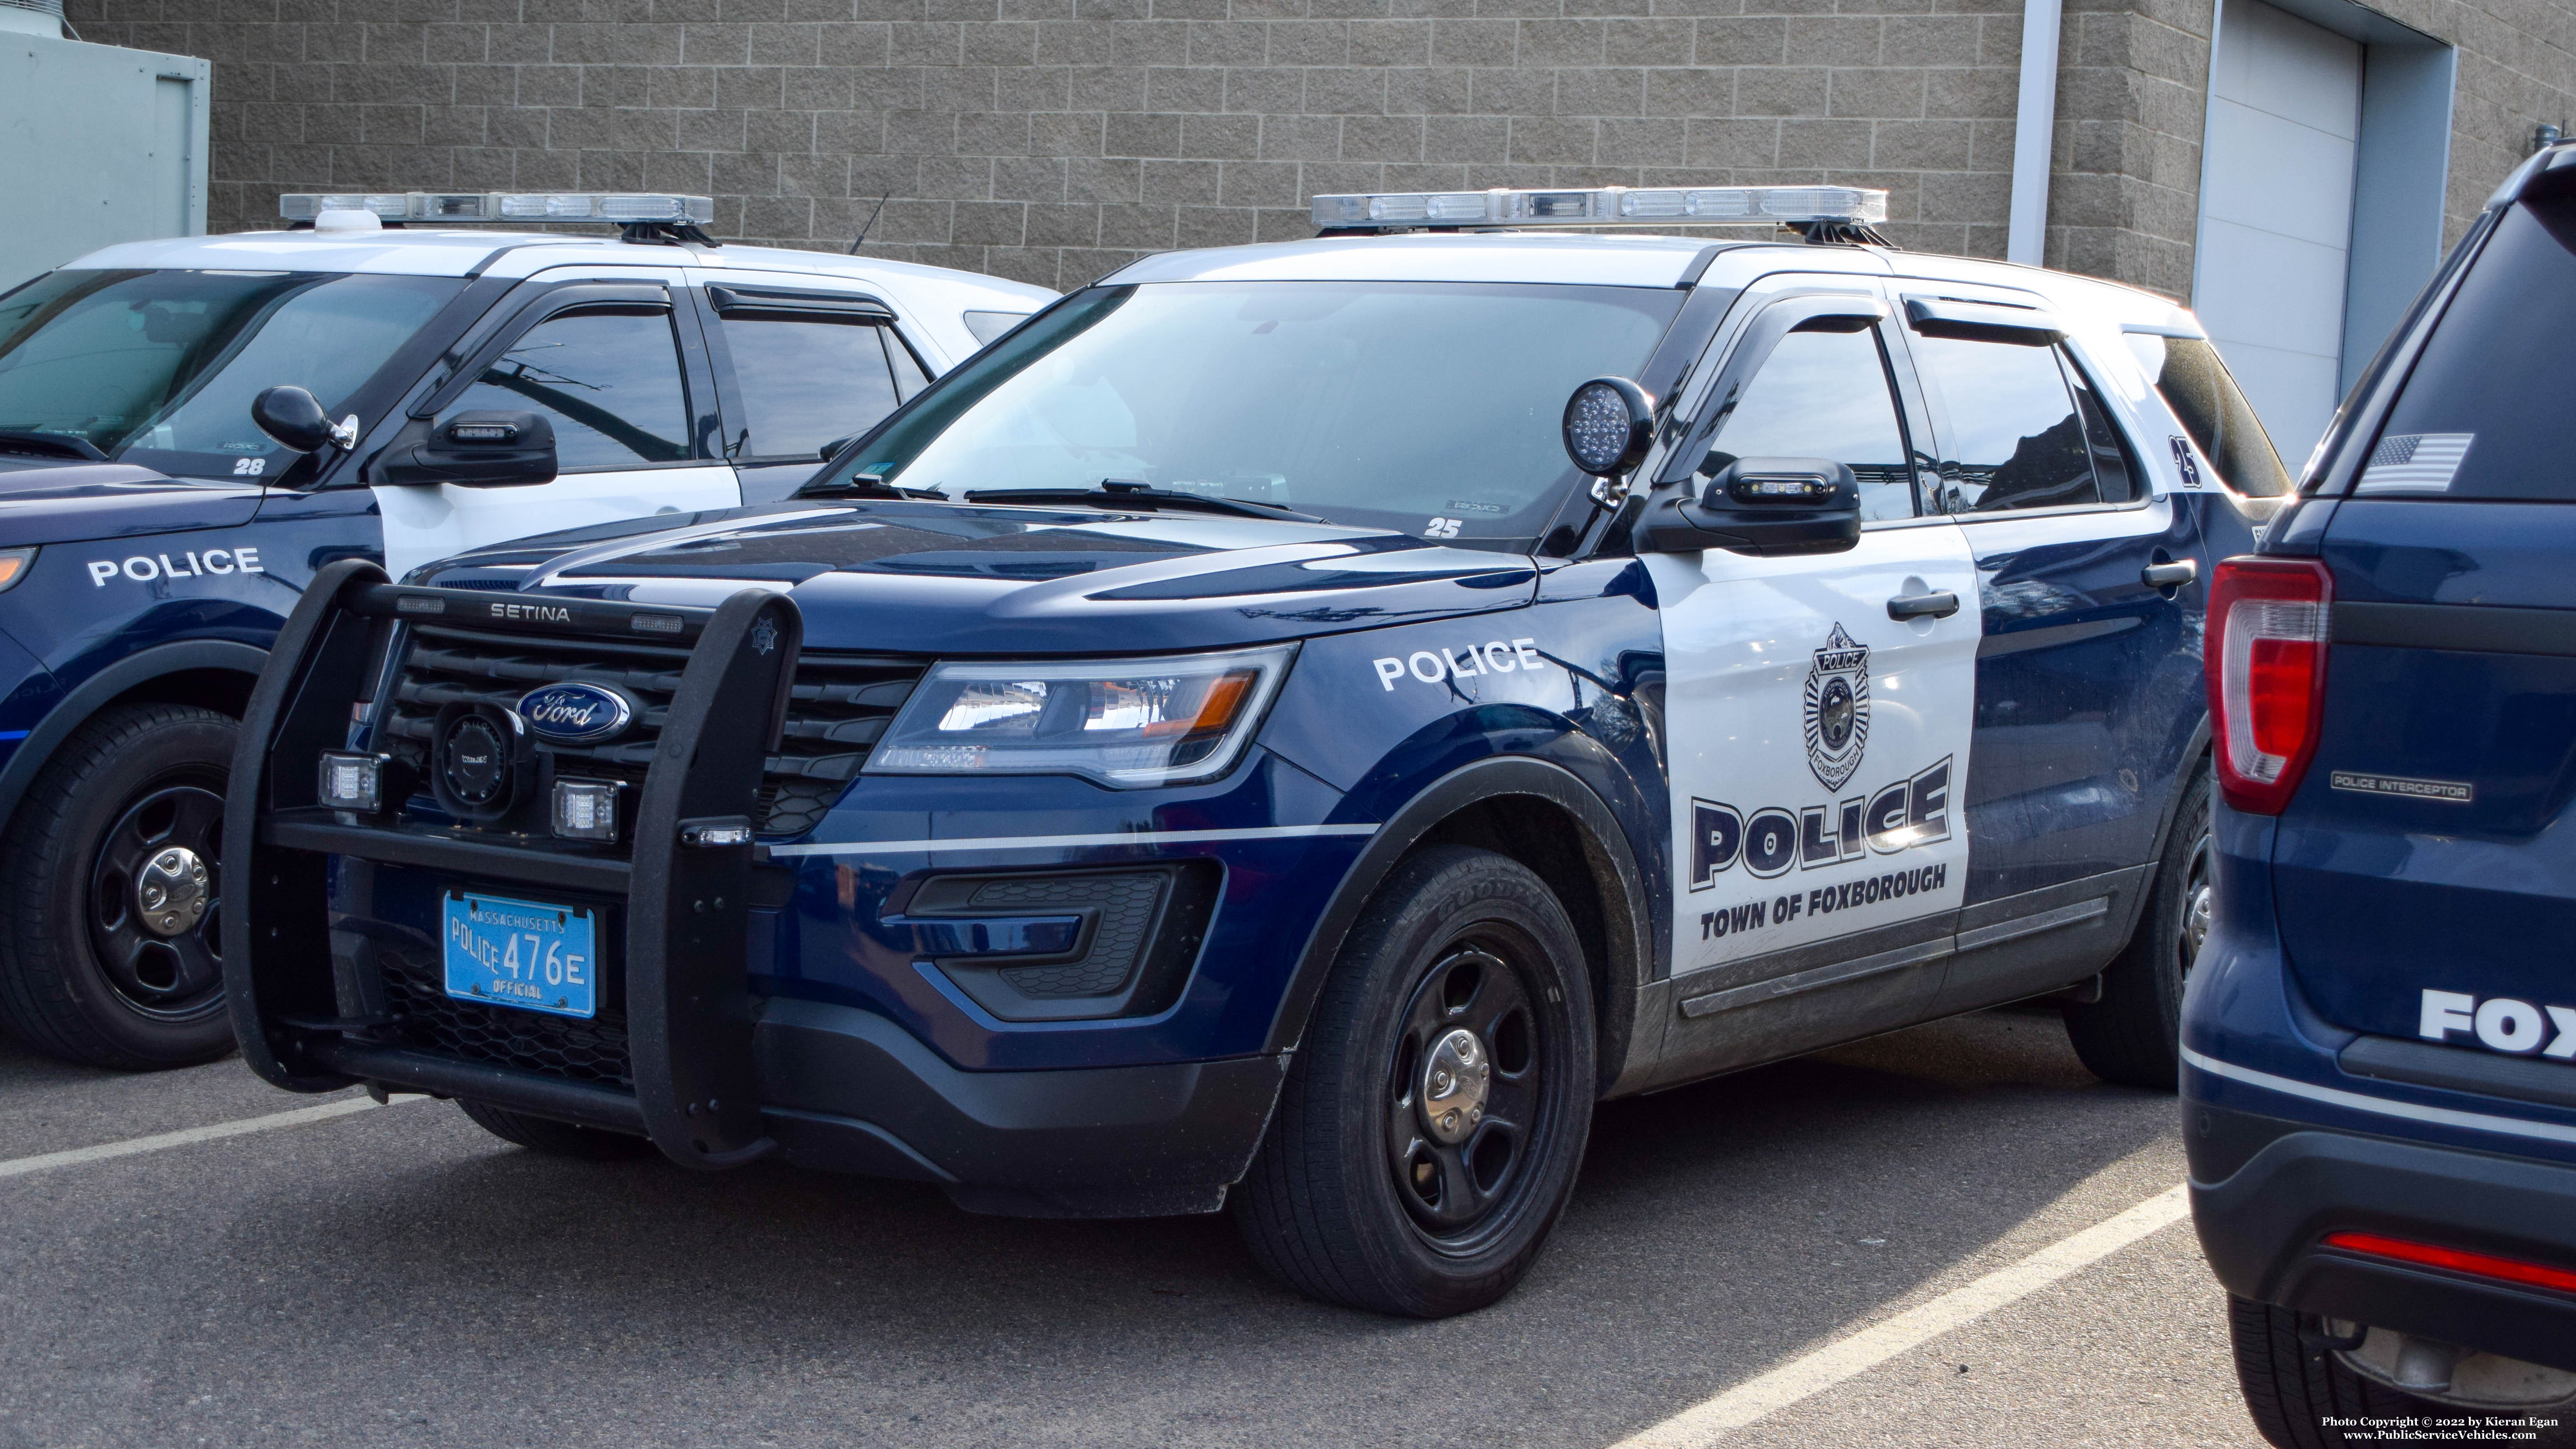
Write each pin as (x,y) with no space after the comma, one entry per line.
(249,467)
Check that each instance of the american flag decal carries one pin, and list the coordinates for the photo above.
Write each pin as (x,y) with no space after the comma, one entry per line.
(2414,463)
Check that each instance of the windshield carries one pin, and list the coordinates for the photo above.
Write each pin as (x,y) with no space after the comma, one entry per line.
(1427,408)
(160,367)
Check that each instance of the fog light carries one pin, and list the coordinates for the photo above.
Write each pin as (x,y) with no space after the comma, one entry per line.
(351,782)
(587,809)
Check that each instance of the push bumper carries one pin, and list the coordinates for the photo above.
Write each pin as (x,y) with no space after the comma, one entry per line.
(715,1076)
(2267,1191)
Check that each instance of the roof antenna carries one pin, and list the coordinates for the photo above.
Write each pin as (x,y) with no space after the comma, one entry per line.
(863,226)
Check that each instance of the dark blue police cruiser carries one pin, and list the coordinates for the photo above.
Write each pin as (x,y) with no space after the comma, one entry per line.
(154,534)
(2380,1047)
(1213,740)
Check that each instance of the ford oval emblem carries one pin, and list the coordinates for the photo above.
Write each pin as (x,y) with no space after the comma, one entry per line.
(575,713)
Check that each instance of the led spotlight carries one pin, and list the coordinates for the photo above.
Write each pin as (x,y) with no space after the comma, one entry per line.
(587,810)
(351,782)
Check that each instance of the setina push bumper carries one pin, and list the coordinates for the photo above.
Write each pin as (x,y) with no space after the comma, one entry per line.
(620,968)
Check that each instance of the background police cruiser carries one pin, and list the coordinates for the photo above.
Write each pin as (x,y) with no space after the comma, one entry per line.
(152,538)
(1224,754)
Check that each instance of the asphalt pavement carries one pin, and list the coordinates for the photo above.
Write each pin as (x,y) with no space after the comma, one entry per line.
(396,1276)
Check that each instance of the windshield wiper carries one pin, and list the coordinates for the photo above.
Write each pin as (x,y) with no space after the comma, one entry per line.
(864,485)
(52,445)
(1120,494)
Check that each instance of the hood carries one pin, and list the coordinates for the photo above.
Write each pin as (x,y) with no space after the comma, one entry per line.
(933,578)
(77,502)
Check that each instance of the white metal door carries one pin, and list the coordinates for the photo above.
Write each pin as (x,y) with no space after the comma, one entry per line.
(2276,214)
(1818,743)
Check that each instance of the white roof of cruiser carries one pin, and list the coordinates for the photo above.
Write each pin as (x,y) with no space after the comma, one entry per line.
(484,251)
(1625,260)
(1610,261)
(933,298)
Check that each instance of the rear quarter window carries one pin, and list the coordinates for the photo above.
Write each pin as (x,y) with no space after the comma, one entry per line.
(2485,412)
(2210,407)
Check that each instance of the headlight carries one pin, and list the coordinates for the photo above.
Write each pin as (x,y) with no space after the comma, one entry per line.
(1123,722)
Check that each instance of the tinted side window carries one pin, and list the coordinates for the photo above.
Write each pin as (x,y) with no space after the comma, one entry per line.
(607,378)
(2485,413)
(1825,395)
(805,381)
(2013,437)
(2208,404)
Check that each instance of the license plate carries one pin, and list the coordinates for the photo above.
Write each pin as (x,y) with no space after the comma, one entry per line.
(522,953)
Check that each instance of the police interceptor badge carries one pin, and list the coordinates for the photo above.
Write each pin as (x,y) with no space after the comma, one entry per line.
(1837,722)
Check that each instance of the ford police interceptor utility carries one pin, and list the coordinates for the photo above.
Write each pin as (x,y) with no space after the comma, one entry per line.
(152,537)
(2380,1047)
(1212,745)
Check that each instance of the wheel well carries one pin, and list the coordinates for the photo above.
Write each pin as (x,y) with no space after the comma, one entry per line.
(227,690)
(1556,848)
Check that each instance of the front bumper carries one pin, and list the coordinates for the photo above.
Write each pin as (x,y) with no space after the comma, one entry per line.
(2265,1193)
(683,1051)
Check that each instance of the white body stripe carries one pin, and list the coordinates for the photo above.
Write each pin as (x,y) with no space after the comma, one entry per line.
(1066,842)
(2410,1111)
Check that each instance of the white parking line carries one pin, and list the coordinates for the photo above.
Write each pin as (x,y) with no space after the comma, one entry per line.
(1712,1419)
(47,1161)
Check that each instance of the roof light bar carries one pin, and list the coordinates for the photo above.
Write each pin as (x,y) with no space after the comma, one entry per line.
(1602,206)
(623,208)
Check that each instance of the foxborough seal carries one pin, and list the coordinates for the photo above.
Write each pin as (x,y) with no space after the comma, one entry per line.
(1837,709)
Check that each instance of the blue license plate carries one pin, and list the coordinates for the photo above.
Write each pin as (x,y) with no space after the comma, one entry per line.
(522,953)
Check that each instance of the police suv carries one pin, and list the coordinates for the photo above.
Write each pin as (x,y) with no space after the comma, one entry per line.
(152,537)
(2380,1047)
(1214,740)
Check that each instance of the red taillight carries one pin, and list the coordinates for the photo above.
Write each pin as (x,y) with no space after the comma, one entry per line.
(2266,654)
(2484,1265)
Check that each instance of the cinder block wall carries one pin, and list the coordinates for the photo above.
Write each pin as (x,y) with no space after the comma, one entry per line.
(1054,139)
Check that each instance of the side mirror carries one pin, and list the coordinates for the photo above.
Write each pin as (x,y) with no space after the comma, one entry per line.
(472,450)
(292,417)
(1609,424)
(1760,506)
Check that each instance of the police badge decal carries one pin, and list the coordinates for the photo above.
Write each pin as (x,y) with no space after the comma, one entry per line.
(1837,709)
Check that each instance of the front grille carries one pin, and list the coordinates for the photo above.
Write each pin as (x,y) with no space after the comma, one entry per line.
(427,1019)
(839,708)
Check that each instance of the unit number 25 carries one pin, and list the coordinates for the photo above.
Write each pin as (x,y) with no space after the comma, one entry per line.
(1442,528)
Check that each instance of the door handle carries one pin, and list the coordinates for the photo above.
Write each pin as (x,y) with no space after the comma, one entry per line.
(1939,604)
(2169,575)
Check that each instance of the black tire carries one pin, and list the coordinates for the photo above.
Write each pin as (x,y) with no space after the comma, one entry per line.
(86,973)
(2133,1035)
(558,1139)
(2293,1382)
(1357,1196)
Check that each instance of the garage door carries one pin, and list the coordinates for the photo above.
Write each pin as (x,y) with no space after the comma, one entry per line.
(2276,214)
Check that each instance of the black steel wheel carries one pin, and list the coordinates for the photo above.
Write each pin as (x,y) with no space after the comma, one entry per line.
(1429,1131)
(153,907)
(110,881)
(2133,1035)
(1463,1093)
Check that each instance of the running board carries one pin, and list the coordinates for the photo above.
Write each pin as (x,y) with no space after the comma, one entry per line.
(1839,972)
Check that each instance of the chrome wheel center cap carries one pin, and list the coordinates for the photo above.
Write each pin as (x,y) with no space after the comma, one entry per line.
(1455,1076)
(170,891)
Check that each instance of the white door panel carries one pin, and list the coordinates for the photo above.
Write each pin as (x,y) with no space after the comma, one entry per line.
(1818,746)
(424,524)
